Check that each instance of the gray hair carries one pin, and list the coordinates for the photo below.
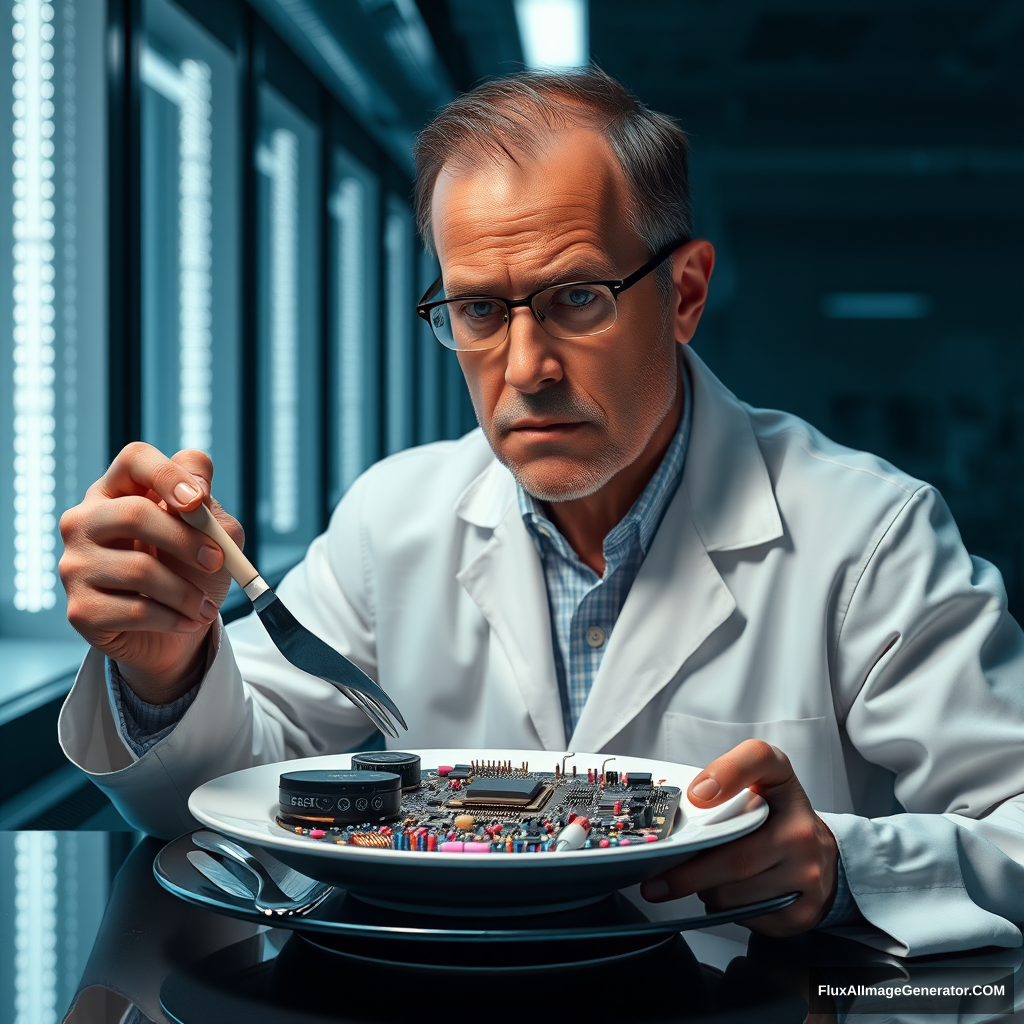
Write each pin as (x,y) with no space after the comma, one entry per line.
(506,115)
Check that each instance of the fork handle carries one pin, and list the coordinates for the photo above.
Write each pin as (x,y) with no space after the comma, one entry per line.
(242,571)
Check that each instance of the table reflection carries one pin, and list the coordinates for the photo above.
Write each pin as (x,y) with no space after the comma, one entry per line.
(88,936)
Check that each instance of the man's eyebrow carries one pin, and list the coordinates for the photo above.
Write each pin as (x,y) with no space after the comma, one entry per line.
(578,270)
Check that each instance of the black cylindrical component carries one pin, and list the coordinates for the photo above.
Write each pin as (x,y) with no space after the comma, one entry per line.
(336,797)
(407,766)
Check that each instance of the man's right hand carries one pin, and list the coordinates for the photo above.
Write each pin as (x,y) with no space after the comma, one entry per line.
(143,586)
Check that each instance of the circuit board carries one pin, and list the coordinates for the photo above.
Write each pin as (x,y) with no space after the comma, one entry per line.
(498,807)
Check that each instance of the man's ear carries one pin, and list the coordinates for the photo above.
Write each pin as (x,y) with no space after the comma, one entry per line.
(692,265)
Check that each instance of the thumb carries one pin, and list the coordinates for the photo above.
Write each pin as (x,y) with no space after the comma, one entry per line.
(752,764)
(200,465)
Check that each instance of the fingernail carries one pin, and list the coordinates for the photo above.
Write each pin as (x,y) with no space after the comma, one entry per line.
(706,789)
(186,493)
(654,891)
(208,609)
(208,558)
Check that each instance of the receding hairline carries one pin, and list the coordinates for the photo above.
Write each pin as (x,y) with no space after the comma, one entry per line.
(514,137)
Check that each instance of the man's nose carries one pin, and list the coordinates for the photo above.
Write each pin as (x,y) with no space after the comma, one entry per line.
(533,360)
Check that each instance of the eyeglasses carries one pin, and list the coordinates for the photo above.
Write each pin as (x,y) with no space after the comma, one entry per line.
(578,309)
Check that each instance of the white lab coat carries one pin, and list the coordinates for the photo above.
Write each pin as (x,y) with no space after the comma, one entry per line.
(796,591)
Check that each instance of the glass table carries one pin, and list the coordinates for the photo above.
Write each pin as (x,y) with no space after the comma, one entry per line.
(87,935)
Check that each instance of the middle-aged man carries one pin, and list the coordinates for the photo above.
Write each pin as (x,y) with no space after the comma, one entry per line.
(623,558)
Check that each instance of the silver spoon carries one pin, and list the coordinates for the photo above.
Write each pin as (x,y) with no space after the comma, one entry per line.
(270,898)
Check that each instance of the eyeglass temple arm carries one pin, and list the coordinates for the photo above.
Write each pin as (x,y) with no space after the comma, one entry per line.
(659,257)
(427,295)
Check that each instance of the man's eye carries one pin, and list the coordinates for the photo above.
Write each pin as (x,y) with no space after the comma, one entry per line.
(479,310)
(577,297)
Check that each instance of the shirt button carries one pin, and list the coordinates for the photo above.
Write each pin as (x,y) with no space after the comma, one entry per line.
(595,636)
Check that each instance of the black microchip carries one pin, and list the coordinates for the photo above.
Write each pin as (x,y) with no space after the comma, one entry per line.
(639,779)
(502,791)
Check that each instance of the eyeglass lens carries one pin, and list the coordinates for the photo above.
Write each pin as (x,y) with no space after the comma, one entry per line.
(565,311)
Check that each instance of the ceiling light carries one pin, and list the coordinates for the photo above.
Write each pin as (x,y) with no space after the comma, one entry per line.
(554,33)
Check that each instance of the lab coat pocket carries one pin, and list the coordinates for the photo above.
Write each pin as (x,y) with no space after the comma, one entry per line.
(805,741)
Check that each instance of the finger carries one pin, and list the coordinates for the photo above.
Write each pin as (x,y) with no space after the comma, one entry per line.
(115,572)
(752,764)
(136,613)
(139,467)
(138,519)
(741,859)
(198,464)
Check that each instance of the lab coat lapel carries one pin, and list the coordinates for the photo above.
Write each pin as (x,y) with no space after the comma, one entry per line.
(506,581)
(725,502)
(676,602)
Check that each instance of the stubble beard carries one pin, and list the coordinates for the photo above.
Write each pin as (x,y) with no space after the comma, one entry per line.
(655,393)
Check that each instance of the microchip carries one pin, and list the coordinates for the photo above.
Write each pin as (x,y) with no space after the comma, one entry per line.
(502,792)
(639,779)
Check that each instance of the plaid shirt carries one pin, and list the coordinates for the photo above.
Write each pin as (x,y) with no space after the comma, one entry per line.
(583,605)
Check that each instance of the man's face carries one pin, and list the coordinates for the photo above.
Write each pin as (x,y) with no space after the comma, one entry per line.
(565,416)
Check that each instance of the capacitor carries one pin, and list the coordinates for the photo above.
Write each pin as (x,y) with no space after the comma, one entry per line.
(398,762)
(617,808)
(604,843)
(650,838)
(464,822)
(476,847)
(573,836)
(443,769)
(325,797)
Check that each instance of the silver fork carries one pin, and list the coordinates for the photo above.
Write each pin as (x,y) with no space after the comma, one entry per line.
(270,898)
(302,648)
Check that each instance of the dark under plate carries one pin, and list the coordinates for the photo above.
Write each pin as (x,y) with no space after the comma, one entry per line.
(344,915)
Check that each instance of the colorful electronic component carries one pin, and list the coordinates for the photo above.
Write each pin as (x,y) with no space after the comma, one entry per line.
(482,807)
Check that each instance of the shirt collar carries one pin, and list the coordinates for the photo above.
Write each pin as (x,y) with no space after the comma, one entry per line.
(642,520)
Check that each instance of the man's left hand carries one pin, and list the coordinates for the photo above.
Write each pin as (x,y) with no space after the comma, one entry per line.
(793,851)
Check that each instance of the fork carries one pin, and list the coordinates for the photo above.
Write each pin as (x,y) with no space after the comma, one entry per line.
(270,900)
(302,648)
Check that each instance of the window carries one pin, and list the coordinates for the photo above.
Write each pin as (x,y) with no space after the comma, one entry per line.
(52,408)
(399,356)
(190,230)
(287,413)
(354,330)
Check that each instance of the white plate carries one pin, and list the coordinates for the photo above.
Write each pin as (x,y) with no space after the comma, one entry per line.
(243,805)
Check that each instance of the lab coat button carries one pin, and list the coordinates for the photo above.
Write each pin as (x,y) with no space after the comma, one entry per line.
(595,636)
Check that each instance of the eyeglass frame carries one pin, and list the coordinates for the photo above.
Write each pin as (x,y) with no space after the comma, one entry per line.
(616,287)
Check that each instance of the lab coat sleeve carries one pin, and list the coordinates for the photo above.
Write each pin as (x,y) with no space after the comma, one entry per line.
(253,707)
(929,680)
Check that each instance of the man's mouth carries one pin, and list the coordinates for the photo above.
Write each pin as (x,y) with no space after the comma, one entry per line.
(543,429)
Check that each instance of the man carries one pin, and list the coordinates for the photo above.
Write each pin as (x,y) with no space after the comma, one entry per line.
(624,558)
